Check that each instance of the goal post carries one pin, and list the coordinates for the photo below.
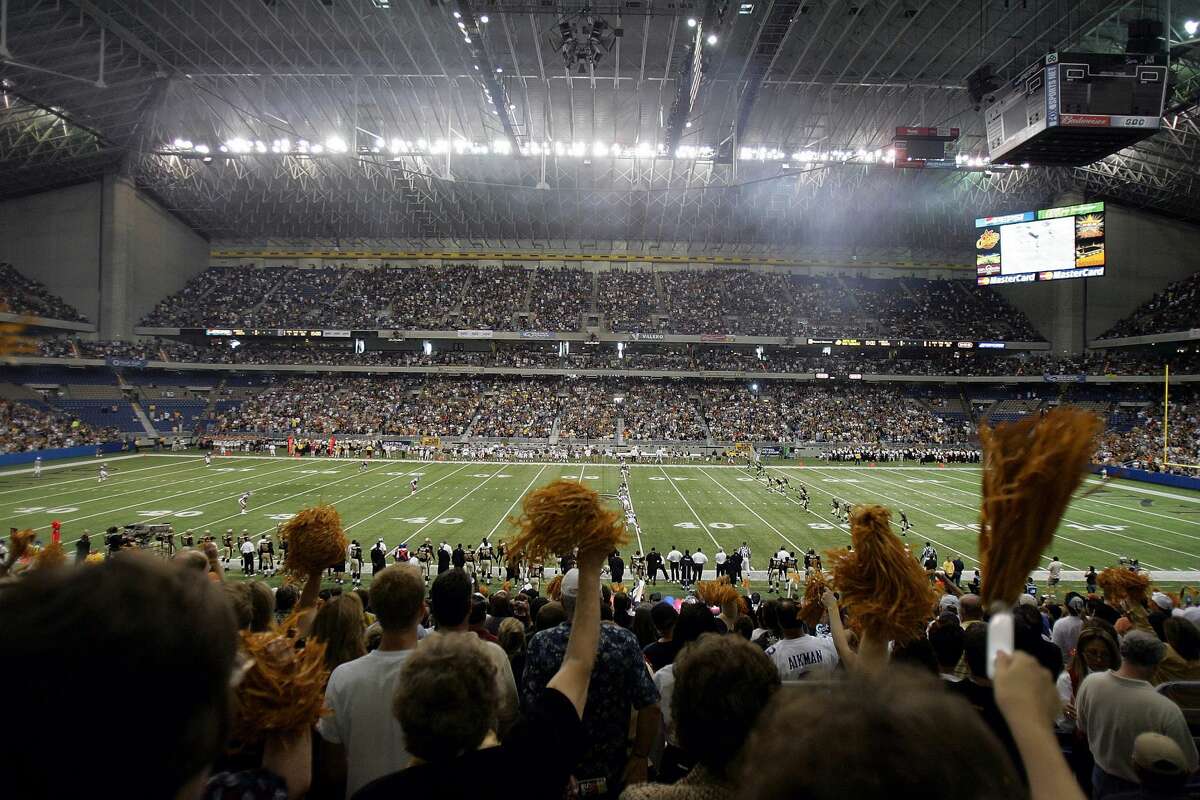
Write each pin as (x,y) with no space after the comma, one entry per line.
(1166,422)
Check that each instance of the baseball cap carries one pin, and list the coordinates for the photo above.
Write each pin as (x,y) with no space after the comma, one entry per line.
(570,584)
(1159,754)
(948,602)
(1162,601)
(1076,603)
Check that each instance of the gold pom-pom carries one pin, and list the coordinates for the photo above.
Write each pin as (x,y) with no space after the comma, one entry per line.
(94,558)
(1030,470)
(49,557)
(283,690)
(1120,584)
(716,593)
(812,607)
(315,541)
(562,516)
(888,593)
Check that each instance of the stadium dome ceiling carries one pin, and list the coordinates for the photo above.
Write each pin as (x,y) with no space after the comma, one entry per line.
(495,119)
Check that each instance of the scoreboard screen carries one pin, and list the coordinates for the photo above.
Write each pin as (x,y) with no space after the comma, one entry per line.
(1047,245)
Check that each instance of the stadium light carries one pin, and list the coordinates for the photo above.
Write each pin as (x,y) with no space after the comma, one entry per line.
(712,38)
(484,19)
(691,22)
(754,387)
(457,15)
(1191,26)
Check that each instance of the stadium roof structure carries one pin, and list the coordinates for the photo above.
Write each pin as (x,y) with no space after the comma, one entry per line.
(712,122)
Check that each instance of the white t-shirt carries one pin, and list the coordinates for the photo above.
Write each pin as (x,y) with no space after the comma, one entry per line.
(804,657)
(664,681)
(699,559)
(360,695)
(674,556)
(247,547)
(1055,569)
(720,557)
(783,555)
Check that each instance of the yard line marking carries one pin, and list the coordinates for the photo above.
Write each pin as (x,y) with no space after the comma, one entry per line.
(1118,534)
(356,494)
(1123,508)
(408,496)
(1125,485)
(178,494)
(456,502)
(967,556)
(699,521)
(751,510)
(100,486)
(208,523)
(302,491)
(82,461)
(1057,535)
(92,478)
(524,492)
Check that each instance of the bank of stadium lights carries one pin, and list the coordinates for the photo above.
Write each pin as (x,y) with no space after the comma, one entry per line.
(1190,27)
(397,147)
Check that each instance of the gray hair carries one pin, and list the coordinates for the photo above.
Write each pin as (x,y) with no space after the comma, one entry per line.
(1142,649)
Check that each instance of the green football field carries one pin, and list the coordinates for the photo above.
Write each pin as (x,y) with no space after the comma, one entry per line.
(689,506)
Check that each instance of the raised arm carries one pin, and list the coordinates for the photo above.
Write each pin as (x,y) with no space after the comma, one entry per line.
(575,674)
(845,651)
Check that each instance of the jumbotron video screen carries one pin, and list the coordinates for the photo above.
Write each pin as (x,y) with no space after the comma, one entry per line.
(1046,245)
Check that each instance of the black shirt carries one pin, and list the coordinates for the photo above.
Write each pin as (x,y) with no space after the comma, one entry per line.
(616,566)
(549,760)
(659,654)
(458,558)
(983,700)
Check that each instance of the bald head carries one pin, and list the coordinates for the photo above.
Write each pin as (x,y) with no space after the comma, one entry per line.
(970,607)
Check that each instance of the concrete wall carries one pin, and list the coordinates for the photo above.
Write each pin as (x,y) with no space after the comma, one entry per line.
(106,248)
(54,238)
(152,256)
(1144,254)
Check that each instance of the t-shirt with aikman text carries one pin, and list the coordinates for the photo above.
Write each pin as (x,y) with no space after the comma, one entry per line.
(804,657)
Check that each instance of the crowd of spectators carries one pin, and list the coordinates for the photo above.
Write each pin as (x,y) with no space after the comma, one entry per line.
(218,297)
(1138,443)
(309,297)
(559,299)
(22,295)
(661,410)
(24,427)
(518,408)
(1175,308)
(738,413)
(426,688)
(492,298)
(361,405)
(644,356)
(588,411)
(695,302)
(628,300)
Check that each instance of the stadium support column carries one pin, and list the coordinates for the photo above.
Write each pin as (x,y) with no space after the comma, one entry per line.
(145,254)
(113,279)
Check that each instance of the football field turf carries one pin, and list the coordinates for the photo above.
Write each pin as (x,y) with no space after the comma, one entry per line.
(688,506)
